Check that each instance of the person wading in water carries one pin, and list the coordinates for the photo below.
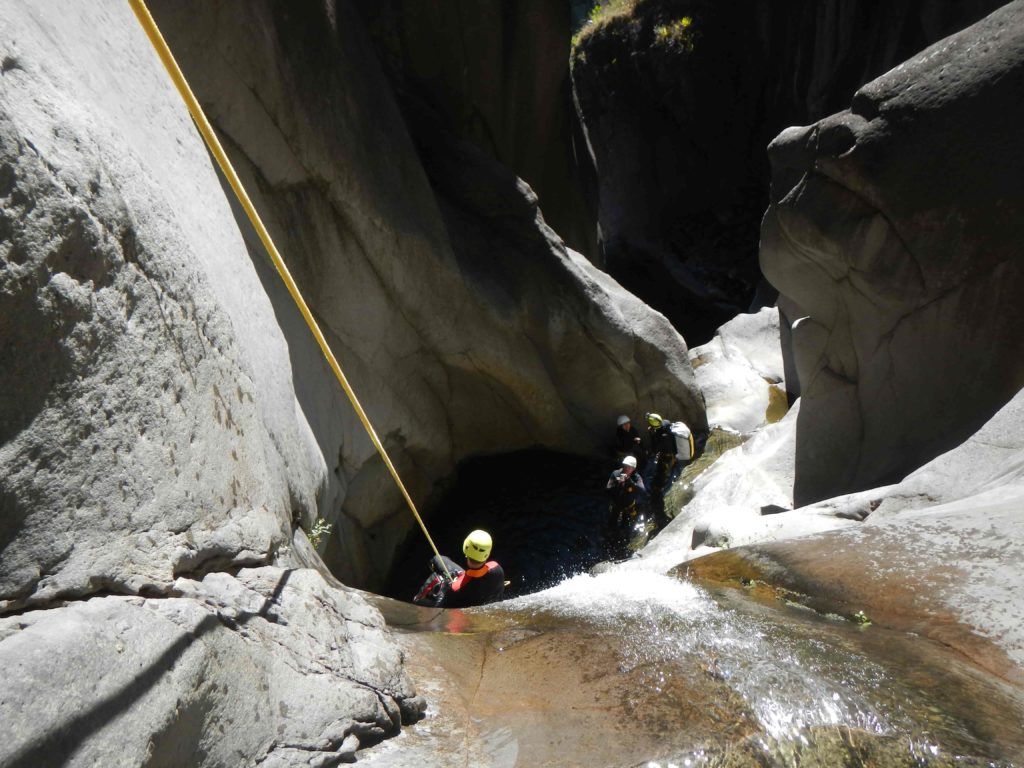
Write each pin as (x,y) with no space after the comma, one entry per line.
(482,581)
(624,487)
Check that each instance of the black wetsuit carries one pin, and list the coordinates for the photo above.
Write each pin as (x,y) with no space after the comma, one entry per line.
(663,444)
(624,493)
(475,586)
(468,587)
(626,444)
(622,510)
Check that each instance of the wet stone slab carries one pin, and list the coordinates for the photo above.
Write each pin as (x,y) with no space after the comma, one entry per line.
(637,668)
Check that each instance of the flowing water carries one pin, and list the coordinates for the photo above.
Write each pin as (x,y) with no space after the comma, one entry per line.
(633,667)
(638,668)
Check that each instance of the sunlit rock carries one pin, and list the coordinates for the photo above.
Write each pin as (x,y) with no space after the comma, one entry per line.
(149,425)
(281,667)
(894,235)
(746,496)
(634,668)
(938,553)
(740,372)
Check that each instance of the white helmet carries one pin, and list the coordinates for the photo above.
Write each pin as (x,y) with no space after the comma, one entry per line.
(629,461)
(623,420)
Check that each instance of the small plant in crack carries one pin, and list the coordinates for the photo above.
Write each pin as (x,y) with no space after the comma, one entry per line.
(321,530)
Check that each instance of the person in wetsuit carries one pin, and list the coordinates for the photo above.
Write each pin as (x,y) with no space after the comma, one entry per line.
(482,580)
(663,446)
(624,487)
(628,442)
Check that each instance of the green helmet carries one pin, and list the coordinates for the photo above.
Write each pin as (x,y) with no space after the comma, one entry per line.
(477,546)
(654,419)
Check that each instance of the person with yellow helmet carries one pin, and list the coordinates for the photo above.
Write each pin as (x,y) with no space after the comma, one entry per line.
(481,581)
(663,446)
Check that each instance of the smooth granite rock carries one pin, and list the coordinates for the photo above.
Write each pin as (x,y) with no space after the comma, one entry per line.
(746,496)
(496,74)
(938,554)
(894,234)
(740,372)
(458,315)
(152,443)
(679,99)
(150,428)
(273,667)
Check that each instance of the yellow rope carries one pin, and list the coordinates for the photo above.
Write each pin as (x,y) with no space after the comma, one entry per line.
(160,45)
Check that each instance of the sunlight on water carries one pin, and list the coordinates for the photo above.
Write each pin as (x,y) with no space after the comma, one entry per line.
(618,594)
(660,621)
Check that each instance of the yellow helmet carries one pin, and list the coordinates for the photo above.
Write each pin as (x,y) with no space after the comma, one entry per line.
(477,546)
(654,419)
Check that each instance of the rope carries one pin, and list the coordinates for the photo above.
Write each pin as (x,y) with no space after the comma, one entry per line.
(162,50)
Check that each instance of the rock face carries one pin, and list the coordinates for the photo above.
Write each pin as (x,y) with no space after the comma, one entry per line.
(152,443)
(272,667)
(679,99)
(938,553)
(741,373)
(894,235)
(452,306)
(746,496)
(150,427)
(497,75)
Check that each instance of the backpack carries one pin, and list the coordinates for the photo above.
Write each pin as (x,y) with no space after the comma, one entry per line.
(684,440)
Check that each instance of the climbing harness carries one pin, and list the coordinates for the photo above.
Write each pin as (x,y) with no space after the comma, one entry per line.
(178,78)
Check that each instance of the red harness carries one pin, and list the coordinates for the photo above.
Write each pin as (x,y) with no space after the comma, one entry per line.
(467,576)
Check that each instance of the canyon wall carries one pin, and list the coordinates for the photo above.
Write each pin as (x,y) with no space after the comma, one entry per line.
(451,304)
(679,99)
(496,74)
(894,238)
(154,460)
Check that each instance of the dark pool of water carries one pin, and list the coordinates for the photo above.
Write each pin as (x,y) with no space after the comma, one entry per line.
(545,510)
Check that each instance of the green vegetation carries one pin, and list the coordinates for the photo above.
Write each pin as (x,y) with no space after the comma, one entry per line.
(861,618)
(600,13)
(320,529)
(610,8)
(679,34)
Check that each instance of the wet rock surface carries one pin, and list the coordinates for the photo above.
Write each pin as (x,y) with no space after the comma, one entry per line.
(937,554)
(745,496)
(894,233)
(741,373)
(166,428)
(639,669)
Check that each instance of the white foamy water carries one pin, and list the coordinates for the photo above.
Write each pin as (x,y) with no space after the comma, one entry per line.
(618,594)
(661,621)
